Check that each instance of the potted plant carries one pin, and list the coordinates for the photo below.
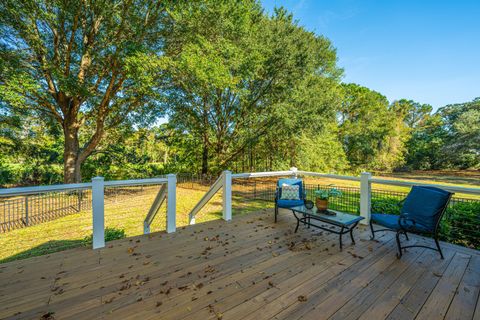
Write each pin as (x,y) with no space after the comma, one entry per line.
(321,197)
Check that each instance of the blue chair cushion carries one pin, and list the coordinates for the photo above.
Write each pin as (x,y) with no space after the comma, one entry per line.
(425,204)
(390,221)
(289,203)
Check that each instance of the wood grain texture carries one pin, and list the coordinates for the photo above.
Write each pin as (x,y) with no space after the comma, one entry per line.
(249,268)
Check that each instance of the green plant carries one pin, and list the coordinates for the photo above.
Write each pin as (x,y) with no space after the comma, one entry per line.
(460,224)
(110,234)
(324,194)
(386,205)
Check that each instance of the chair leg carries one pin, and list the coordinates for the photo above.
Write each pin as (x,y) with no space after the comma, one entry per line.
(406,236)
(438,247)
(371,229)
(276,213)
(399,246)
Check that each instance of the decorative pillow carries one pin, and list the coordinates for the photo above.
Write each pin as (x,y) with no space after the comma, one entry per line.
(290,192)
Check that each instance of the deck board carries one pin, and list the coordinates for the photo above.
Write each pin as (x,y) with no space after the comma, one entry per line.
(250,268)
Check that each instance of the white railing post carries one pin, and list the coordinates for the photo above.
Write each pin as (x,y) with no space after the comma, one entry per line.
(98,213)
(171,203)
(294,171)
(227,195)
(365,196)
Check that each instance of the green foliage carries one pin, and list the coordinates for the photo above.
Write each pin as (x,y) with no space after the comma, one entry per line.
(461,224)
(242,79)
(450,138)
(363,129)
(87,66)
(110,235)
(387,205)
(324,194)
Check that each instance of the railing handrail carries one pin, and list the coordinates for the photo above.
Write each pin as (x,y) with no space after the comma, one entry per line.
(401,183)
(135,182)
(404,183)
(328,175)
(8,192)
(21,191)
(262,174)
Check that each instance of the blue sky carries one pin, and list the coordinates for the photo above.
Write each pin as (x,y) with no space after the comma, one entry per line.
(424,50)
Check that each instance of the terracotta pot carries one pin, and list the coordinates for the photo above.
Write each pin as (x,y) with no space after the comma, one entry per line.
(322,204)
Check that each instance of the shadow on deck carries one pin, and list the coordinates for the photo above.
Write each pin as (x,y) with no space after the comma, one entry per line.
(249,268)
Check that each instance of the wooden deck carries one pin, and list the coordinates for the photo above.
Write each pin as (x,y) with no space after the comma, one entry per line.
(249,268)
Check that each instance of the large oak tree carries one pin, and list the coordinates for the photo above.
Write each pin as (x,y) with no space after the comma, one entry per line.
(240,75)
(89,65)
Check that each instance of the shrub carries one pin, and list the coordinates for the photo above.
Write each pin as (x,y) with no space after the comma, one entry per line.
(461,224)
(110,234)
(386,205)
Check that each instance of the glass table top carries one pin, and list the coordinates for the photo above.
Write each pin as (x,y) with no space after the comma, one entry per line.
(340,218)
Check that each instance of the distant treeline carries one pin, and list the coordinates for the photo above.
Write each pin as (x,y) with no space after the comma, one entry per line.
(83,91)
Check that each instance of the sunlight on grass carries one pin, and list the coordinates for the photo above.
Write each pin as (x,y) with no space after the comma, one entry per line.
(124,210)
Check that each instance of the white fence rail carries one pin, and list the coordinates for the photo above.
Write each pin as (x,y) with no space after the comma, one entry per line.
(97,186)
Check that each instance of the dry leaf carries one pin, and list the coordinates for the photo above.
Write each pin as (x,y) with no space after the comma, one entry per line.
(48,316)
(109,300)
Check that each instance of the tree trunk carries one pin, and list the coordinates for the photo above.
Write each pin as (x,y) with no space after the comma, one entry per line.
(205,157)
(71,161)
(205,140)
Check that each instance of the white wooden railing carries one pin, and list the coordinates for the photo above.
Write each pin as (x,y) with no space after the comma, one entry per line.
(365,180)
(168,190)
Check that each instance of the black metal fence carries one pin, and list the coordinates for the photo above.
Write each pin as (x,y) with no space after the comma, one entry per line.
(23,211)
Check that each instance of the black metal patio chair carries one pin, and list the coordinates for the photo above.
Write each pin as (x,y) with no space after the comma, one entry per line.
(421,212)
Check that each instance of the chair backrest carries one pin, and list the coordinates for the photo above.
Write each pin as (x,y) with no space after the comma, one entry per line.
(291,182)
(426,205)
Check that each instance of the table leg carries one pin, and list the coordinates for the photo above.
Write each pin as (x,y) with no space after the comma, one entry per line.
(341,233)
(351,232)
(298,221)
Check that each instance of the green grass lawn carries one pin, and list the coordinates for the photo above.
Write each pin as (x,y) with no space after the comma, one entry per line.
(122,212)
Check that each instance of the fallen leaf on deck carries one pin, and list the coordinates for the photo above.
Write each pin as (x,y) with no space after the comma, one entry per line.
(109,300)
(209,269)
(48,316)
(302,298)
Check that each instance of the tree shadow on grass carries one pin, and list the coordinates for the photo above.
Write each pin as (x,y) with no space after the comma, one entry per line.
(60,245)
(45,248)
